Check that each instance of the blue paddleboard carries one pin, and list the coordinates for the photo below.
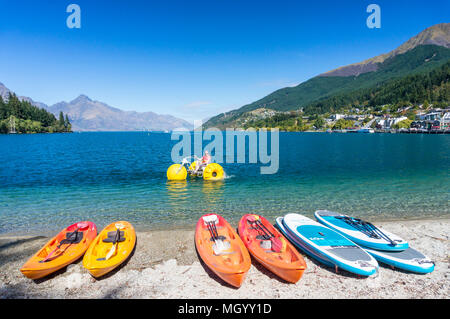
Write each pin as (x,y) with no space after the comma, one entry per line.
(321,258)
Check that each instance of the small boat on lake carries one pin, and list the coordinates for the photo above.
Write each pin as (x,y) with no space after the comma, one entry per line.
(366,130)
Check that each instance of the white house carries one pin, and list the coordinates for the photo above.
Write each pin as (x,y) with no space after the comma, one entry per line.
(445,121)
(335,117)
(389,122)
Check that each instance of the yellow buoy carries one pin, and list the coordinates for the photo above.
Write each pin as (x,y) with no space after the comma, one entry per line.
(213,172)
(176,172)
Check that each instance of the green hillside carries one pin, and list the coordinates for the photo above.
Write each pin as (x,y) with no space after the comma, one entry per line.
(28,118)
(421,59)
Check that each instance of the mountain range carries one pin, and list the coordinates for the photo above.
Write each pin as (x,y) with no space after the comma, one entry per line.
(428,50)
(86,114)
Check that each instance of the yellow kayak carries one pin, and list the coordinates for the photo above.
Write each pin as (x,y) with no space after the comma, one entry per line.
(110,248)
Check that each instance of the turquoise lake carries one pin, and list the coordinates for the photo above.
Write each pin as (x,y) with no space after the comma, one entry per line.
(48,181)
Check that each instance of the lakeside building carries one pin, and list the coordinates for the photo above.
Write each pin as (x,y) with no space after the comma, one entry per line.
(445,121)
(387,122)
(335,117)
(431,116)
(433,120)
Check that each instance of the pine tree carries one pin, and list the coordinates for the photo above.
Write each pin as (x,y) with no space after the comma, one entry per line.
(67,124)
(61,119)
(3,110)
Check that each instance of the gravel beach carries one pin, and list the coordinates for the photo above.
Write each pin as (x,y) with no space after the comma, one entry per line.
(165,265)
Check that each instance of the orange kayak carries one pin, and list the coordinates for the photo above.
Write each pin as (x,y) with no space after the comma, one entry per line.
(110,248)
(270,248)
(221,249)
(62,250)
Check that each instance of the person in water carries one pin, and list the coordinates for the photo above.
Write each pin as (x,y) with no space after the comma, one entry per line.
(205,160)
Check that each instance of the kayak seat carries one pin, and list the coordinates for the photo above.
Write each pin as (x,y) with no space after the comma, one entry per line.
(222,248)
(72,238)
(112,235)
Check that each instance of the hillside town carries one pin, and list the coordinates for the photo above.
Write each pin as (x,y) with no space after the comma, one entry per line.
(409,119)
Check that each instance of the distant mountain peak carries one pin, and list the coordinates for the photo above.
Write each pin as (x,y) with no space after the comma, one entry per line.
(89,115)
(438,34)
(81,98)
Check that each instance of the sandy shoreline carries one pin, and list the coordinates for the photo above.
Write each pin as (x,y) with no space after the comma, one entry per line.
(165,265)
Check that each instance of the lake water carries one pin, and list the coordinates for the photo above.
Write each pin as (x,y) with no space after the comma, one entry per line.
(48,181)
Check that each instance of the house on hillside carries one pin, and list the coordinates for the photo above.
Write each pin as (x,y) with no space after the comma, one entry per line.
(431,116)
(387,122)
(335,117)
(445,121)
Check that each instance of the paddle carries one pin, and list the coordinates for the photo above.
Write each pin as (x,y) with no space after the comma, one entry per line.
(80,226)
(119,226)
(220,246)
(366,228)
(277,245)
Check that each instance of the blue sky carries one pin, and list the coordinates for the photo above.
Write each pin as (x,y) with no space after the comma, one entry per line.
(192,59)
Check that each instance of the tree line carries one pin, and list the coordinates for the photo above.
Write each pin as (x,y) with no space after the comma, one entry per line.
(28,118)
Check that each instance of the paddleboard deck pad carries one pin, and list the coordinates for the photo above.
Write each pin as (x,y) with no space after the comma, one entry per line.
(329,244)
(361,232)
(408,259)
(319,257)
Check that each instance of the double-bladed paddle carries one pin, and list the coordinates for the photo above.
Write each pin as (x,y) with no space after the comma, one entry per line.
(277,245)
(80,226)
(119,226)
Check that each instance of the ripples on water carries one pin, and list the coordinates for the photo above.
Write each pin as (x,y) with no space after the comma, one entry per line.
(48,181)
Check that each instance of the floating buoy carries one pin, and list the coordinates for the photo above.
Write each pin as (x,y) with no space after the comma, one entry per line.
(176,172)
(213,172)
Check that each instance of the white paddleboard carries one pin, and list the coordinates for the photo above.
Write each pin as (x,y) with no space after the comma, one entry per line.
(324,241)
(408,259)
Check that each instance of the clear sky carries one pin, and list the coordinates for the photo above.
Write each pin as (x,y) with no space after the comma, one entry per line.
(192,59)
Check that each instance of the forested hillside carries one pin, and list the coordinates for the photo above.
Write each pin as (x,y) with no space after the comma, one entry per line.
(23,117)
